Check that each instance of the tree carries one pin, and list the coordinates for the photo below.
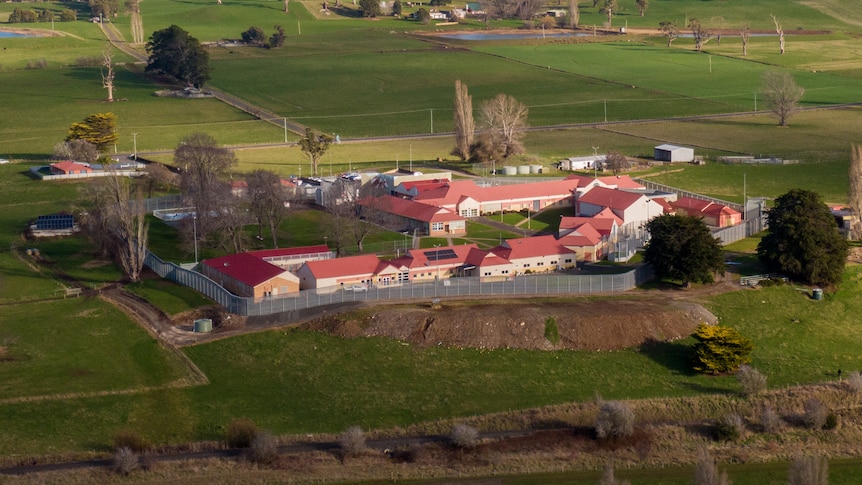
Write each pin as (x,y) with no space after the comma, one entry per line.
(574,15)
(745,34)
(527,9)
(808,470)
(609,7)
(158,177)
(615,420)
(314,145)
(397,8)
(201,163)
(78,150)
(505,119)
(232,218)
(643,5)
(751,380)
(100,129)
(176,54)
(706,472)
(720,349)
(856,191)
(699,32)
(352,441)
(369,8)
(782,95)
(68,15)
(803,241)
(104,8)
(616,161)
(20,16)
(268,201)
(108,74)
(125,461)
(464,127)
(608,477)
(463,436)
(682,248)
(276,40)
(133,8)
(503,9)
(780,32)
(669,30)
(254,35)
(46,16)
(485,150)
(340,199)
(423,16)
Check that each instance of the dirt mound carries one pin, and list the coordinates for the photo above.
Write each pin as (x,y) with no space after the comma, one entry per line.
(583,324)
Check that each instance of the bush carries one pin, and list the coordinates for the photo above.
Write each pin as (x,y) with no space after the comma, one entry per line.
(240,433)
(809,470)
(68,15)
(552,333)
(770,421)
(352,441)
(615,420)
(831,421)
(548,22)
(706,472)
(264,448)
(751,380)
(131,440)
(125,461)
(423,16)
(254,35)
(816,414)
(87,61)
(37,64)
(729,428)
(854,382)
(463,436)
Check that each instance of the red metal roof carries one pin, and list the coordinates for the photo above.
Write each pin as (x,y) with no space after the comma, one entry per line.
(417,258)
(365,264)
(410,209)
(244,267)
(602,224)
(67,166)
(530,247)
(298,251)
(611,198)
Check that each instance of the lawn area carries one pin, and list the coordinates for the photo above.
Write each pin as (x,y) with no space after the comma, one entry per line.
(170,297)
(102,350)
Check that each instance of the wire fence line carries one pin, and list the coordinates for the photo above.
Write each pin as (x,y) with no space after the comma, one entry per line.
(556,284)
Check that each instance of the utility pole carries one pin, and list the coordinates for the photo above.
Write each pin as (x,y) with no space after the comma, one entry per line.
(135,149)
(285,129)
(432,120)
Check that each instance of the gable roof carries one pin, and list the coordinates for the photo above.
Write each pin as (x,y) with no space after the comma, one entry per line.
(610,198)
(602,224)
(583,235)
(410,209)
(692,205)
(363,264)
(244,267)
(530,247)
(418,258)
(68,166)
(483,259)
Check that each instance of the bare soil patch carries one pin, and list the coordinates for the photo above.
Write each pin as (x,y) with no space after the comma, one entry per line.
(583,324)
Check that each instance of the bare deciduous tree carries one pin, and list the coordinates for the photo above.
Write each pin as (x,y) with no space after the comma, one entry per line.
(616,161)
(314,145)
(699,32)
(465,127)
(856,205)
(751,380)
(77,149)
(745,33)
(503,9)
(706,472)
(527,9)
(608,477)
(782,95)
(232,218)
(609,8)
(670,30)
(108,74)
(352,441)
(505,119)
(340,198)
(643,5)
(808,470)
(463,436)
(780,32)
(268,201)
(158,177)
(574,14)
(202,163)
(125,461)
(615,420)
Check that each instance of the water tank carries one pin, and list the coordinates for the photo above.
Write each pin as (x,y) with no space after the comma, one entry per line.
(817,293)
(523,169)
(509,171)
(203,325)
(535,169)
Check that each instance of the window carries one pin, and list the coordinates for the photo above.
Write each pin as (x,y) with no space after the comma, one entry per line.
(569,260)
(553,262)
(540,263)
(488,273)
(505,271)
(526,265)
(437,226)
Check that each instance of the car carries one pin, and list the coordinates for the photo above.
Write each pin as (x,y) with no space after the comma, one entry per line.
(3,160)
(356,288)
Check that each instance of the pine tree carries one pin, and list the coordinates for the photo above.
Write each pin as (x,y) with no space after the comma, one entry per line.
(720,349)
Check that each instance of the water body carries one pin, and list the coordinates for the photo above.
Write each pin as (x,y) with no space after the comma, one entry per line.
(515,35)
(4,34)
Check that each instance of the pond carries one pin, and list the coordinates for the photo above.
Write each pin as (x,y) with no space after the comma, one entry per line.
(5,34)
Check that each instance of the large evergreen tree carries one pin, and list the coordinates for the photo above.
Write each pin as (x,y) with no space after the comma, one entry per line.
(682,248)
(177,54)
(100,129)
(803,241)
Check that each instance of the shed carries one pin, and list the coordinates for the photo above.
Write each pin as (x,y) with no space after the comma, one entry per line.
(674,153)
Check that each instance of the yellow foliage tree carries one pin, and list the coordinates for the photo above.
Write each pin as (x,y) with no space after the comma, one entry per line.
(100,129)
(720,349)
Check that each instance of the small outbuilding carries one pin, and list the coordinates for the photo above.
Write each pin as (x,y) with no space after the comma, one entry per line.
(674,153)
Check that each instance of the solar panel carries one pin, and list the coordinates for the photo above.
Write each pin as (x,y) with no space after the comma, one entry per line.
(440,255)
(54,222)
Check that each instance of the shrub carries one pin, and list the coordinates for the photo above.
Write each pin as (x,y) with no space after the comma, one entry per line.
(68,15)
(131,440)
(352,441)
(751,380)
(720,349)
(854,382)
(770,421)
(729,427)
(615,420)
(254,35)
(423,16)
(831,421)
(552,333)
(37,64)
(125,461)
(815,414)
(548,22)
(463,436)
(87,61)
(706,472)
(808,470)
(240,433)
(264,448)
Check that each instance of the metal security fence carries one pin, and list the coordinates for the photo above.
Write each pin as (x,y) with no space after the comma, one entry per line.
(556,284)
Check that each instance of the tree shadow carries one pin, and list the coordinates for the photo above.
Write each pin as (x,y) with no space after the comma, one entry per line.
(674,356)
